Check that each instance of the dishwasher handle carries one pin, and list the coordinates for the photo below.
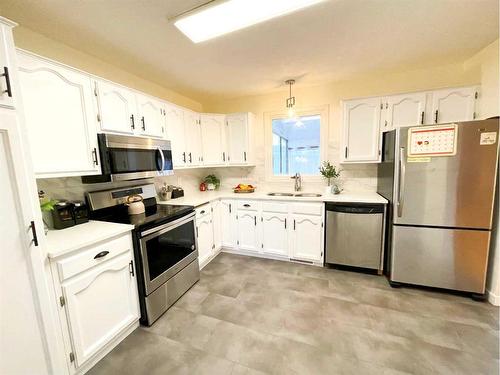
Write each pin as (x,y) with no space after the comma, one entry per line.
(356,208)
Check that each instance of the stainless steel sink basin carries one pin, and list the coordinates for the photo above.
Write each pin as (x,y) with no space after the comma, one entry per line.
(280,194)
(307,195)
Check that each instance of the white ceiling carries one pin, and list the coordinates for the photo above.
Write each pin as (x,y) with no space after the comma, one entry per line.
(334,40)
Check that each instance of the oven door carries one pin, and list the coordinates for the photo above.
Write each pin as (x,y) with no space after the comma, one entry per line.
(167,249)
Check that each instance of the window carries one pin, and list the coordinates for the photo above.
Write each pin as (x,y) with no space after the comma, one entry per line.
(296,145)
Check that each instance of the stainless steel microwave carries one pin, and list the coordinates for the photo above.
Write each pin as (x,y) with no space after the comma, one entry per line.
(130,158)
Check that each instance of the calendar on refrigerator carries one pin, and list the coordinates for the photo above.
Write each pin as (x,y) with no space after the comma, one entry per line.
(437,140)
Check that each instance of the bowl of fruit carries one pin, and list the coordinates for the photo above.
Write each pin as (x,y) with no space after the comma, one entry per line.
(244,188)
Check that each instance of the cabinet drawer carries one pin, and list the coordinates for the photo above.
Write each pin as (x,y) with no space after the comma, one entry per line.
(248,205)
(308,208)
(275,207)
(202,210)
(86,258)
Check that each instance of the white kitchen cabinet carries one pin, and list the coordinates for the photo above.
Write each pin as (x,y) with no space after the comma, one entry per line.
(194,150)
(60,117)
(100,304)
(117,108)
(151,115)
(361,124)
(239,139)
(6,64)
(274,231)
(205,236)
(248,235)
(455,104)
(228,223)
(404,110)
(213,139)
(307,238)
(216,208)
(174,117)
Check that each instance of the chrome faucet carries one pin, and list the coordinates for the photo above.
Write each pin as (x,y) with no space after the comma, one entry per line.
(298,181)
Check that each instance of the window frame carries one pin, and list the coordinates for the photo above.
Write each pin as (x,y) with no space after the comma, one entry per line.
(323,111)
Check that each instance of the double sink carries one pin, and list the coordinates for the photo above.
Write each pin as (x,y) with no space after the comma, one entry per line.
(294,195)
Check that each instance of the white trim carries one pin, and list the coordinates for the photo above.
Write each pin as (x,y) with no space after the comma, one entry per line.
(324,112)
(493,298)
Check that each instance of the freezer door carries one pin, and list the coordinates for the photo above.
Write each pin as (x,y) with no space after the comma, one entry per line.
(448,191)
(442,258)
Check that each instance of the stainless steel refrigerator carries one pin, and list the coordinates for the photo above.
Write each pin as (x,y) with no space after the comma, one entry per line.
(441,203)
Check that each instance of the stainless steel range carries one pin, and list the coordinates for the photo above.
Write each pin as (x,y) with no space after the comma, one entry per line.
(165,245)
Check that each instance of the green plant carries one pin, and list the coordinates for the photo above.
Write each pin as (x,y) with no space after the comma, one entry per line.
(212,179)
(46,204)
(329,171)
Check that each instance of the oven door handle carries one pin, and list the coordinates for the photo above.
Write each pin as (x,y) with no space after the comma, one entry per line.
(162,160)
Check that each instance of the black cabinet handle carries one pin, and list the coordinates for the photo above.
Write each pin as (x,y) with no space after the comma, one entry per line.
(436,116)
(131,268)
(101,254)
(346,152)
(202,212)
(255,220)
(422,117)
(229,207)
(244,155)
(293,224)
(94,156)
(190,158)
(246,205)
(223,156)
(7,81)
(143,123)
(184,157)
(285,222)
(132,123)
(33,231)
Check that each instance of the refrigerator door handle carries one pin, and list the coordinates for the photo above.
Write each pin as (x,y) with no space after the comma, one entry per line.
(401,184)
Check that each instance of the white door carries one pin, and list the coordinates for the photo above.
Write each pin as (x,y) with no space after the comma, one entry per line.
(60,117)
(404,110)
(450,105)
(194,152)
(204,231)
(6,50)
(100,303)
(216,221)
(22,338)
(151,116)
(275,233)
(213,140)
(228,224)
(175,133)
(117,108)
(248,236)
(307,238)
(361,130)
(237,138)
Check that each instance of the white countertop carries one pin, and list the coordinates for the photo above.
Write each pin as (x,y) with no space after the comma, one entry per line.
(62,241)
(202,197)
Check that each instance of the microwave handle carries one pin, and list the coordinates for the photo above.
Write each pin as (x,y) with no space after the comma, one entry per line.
(162,160)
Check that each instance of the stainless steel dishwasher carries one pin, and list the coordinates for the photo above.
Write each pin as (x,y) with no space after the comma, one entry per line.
(355,235)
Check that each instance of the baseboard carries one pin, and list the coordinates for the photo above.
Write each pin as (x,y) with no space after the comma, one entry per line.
(253,254)
(493,298)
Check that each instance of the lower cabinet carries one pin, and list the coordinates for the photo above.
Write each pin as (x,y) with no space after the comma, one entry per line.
(274,233)
(205,236)
(97,299)
(228,223)
(248,235)
(216,221)
(307,238)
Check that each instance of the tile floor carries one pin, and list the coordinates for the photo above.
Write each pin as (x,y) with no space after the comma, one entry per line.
(256,316)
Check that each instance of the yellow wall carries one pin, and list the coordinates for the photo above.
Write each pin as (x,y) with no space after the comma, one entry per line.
(29,40)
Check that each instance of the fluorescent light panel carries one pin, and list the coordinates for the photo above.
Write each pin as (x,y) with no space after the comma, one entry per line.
(233,15)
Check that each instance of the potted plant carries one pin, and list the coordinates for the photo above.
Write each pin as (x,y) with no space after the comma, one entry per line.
(329,171)
(212,182)
(46,206)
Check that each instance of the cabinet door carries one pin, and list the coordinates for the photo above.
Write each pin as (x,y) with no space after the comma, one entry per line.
(117,108)
(248,236)
(194,154)
(404,110)
(216,221)
(204,232)
(100,303)
(450,105)
(6,52)
(307,239)
(237,138)
(175,133)
(151,114)
(275,233)
(212,136)
(361,130)
(60,117)
(228,224)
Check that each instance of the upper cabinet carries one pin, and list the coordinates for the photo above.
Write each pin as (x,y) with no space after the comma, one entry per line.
(60,117)
(193,134)
(6,66)
(361,130)
(174,117)
(404,110)
(151,115)
(457,104)
(213,139)
(239,139)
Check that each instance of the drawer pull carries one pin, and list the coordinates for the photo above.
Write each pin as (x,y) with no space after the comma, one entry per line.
(101,254)
(202,212)
(246,205)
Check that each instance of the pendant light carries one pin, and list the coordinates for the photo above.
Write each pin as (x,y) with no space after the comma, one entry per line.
(290,101)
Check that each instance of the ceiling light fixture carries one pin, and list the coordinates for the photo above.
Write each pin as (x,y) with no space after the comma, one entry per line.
(290,101)
(216,18)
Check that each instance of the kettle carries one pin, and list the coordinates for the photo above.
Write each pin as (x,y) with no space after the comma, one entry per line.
(135,204)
